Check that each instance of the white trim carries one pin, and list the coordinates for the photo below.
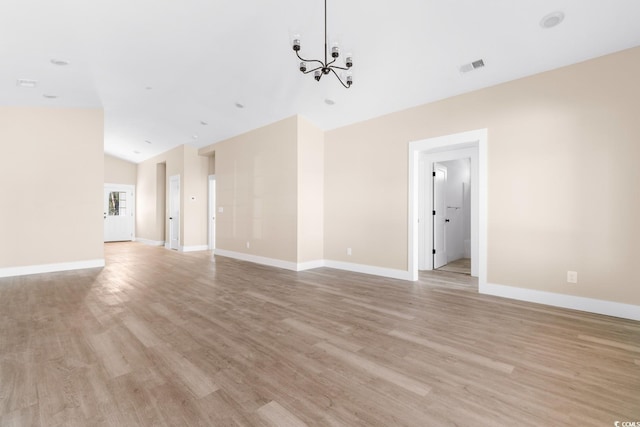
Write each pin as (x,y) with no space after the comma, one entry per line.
(50,268)
(310,265)
(338,265)
(150,242)
(369,269)
(472,139)
(194,248)
(287,265)
(609,308)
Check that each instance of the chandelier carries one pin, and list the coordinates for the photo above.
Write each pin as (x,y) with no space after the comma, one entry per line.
(326,67)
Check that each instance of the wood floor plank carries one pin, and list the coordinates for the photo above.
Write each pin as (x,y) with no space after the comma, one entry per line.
(162,338)
(110,355)
(277,416)
(466,355)
(375,369)
(318,333)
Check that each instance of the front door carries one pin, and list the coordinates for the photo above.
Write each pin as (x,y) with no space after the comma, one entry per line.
(118,212)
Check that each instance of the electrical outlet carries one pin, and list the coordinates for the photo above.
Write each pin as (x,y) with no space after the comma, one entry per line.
(572,277)
(248,245)
(349,251)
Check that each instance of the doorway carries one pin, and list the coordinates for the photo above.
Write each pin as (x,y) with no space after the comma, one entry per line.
(422,155)
(212,212)
(119,211)
(174,212)
(451,194)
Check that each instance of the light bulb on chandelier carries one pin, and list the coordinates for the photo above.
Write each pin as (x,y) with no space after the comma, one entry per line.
(326,67)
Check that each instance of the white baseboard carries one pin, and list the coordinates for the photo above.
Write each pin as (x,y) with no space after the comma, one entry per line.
(609,308)
(310,265)
(369,269)
(194,248)
(150,242)
(50,268)
(287,265)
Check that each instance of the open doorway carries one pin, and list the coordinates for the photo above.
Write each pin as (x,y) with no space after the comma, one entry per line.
(422,155)
(451,219)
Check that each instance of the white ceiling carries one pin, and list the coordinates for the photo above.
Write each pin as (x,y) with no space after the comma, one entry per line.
(160,67)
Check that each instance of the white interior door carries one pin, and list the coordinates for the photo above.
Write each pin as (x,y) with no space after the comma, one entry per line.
(174,212)
(212,212)
(440,215)
(118,212)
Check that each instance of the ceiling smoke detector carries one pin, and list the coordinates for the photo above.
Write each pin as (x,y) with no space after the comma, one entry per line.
(551,20)
(49,96)
(472,66)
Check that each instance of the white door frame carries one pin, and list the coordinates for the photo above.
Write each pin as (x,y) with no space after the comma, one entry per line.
(449,147)
(131,203)
(212,213)
(173,179)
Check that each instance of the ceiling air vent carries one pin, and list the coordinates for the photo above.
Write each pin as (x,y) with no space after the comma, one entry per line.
(472,66)
(27,83)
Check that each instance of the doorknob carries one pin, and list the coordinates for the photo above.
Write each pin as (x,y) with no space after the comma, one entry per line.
(447,220)
(170,217)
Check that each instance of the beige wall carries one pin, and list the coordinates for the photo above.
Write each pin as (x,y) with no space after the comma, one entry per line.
(310,234)
(52,175)
(118,171)
(256,186)
(152,192)
(562,179)
(195,197)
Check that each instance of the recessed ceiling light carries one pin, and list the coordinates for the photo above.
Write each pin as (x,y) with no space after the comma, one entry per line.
(329,101)
(27,83)
(60,62)
(239,105)
(551,20)
(203,123)
(136,152)
(148,88)
(194,136)
(50,96)
(147,141)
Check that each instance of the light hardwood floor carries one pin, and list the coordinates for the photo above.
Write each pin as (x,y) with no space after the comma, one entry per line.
(461,266)
(159,338)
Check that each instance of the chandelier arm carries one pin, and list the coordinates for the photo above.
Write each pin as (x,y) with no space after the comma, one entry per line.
(311,71)
(339,68)
(336,74)
(334,60)
(309,60)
